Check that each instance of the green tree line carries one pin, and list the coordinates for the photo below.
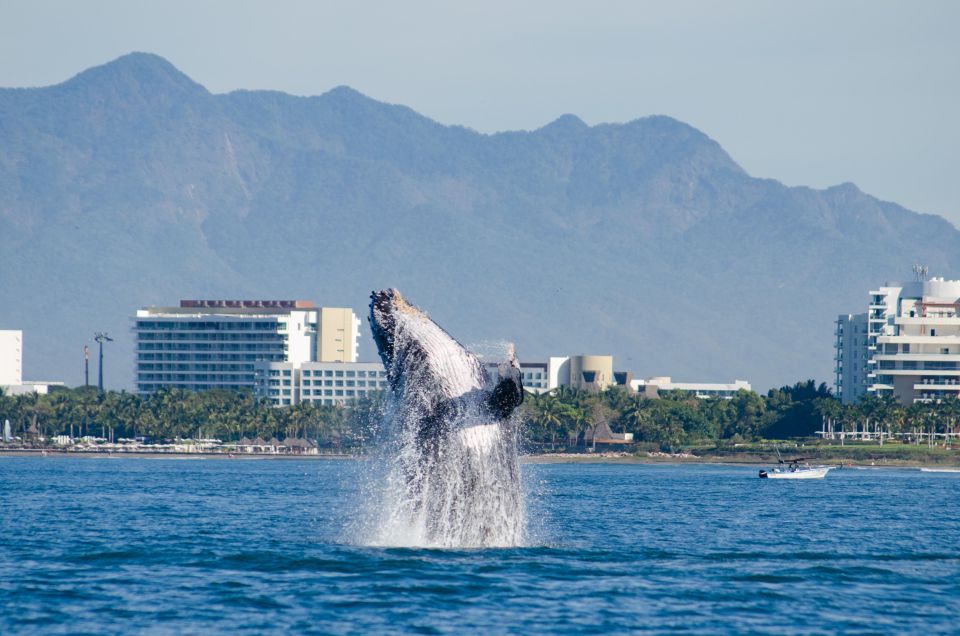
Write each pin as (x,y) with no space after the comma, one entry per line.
(557,419)
(677,418)
(171,414)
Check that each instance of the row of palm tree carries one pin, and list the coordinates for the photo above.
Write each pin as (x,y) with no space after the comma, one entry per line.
(881,418)
(559,418)
(171,414)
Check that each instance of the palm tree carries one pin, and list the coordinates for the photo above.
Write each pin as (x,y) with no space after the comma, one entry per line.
(829,410)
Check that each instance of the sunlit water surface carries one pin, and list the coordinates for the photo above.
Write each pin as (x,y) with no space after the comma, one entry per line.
(244,546)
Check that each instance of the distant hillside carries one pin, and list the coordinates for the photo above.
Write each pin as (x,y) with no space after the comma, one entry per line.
(130,184)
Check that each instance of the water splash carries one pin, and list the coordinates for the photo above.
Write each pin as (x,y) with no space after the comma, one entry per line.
(447,475)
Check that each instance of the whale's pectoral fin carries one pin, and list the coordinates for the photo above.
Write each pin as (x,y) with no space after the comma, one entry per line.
(507,394)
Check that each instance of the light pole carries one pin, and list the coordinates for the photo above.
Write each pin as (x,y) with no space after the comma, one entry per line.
(86,365)
(100,337)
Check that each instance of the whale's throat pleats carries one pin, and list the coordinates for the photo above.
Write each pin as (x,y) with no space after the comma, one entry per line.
(441,360)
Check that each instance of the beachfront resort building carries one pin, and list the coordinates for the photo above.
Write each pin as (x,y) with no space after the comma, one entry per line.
(912,344)
(581,372)
(704,390)
(288,383)
(11,366)
(216,344)
(596,373)
(850,357)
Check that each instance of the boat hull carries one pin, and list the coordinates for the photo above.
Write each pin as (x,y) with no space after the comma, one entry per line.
(803,473)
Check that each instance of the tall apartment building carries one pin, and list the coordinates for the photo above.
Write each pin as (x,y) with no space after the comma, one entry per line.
(215,344)
(11,357)
(11,366)
(912,342)
(850,357)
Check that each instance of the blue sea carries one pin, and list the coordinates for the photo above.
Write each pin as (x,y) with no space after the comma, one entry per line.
(158,546)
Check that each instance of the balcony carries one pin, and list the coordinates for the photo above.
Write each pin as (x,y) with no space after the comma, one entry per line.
(941,386)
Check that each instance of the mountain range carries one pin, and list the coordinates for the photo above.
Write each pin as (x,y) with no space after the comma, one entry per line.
(130,185)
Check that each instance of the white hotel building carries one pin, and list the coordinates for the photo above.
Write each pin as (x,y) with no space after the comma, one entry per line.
(912,342)
(597,373)
(216,344)
(11,366)
(286,383)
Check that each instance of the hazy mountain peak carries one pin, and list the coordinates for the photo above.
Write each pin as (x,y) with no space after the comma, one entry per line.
(566,123)
(135,72)
(346,93)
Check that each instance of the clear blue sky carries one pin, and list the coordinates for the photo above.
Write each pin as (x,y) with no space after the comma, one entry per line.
(809,93)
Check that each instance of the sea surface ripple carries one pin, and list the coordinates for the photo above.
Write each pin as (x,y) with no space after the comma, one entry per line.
(121,545)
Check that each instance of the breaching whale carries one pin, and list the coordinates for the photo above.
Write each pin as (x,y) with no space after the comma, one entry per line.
(456,478)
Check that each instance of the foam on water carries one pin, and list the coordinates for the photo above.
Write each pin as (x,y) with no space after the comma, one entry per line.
(461,486)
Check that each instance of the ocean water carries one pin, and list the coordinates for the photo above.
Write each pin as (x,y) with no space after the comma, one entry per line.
(100,546)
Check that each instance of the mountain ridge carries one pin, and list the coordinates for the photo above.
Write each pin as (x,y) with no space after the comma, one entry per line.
(646,239)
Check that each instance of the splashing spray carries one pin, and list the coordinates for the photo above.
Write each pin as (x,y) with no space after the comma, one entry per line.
(449,469)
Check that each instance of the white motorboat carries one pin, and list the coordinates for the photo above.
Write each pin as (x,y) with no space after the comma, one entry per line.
(795,470)
(940,470)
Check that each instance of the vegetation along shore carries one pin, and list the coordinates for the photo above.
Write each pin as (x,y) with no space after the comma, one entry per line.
(802,419)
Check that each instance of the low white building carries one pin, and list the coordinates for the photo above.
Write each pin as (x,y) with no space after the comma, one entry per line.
(699,389)
(581,372)
(286,383)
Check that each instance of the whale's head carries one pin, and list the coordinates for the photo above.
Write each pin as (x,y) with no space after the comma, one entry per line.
(384,305)
(414,349)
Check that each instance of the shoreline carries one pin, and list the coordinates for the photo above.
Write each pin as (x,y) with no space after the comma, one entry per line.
(53,453)
(544,458)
